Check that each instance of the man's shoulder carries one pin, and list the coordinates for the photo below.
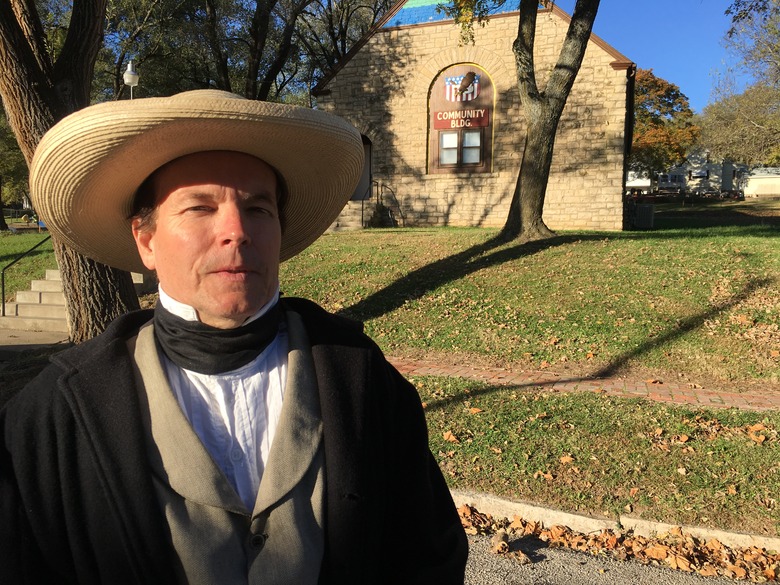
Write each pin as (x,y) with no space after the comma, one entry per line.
(91,357)
(316,317)
(120,329)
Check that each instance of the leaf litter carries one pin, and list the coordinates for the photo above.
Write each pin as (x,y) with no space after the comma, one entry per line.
(676,549)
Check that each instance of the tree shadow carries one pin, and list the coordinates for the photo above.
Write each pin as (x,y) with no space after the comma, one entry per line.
(428,278)
(616,363)
(683,327)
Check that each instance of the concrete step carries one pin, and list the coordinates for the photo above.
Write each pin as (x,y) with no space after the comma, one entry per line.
(42,308)
(35,310)
(46,285)
(38,297)
(33,324)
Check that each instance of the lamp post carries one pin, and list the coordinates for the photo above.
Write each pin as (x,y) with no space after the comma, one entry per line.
(131,77)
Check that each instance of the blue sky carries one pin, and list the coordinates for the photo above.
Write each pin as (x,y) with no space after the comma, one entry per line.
(680,40)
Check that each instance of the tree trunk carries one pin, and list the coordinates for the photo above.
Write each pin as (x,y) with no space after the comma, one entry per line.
(543,111)
(3,224)
(95,294)
(524,221)
(36,93)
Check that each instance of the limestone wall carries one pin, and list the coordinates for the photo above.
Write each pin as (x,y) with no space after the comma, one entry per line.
(384,91)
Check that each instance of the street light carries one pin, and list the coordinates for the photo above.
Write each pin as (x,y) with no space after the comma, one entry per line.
(131,77)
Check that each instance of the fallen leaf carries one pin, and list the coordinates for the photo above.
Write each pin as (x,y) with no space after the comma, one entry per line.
(633,491)
(654,381)
(499,543)
(682,471)
(475,410)
(732,489)
(708,571)
(566,459)
(657,552)
(450,438)
(520,557)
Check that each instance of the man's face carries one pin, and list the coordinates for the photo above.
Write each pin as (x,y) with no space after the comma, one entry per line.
(215,238)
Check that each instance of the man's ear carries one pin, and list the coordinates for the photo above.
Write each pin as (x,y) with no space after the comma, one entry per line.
(144,237)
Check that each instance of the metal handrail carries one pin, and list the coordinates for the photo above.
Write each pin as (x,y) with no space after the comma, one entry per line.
(7,266)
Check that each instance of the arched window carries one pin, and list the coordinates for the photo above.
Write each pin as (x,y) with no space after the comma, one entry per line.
(461,121)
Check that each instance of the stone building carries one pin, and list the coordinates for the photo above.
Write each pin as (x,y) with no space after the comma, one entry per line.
(444,129)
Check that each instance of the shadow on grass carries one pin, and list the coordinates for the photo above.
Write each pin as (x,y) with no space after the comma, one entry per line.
(428,278)
(683,327)
(615,364)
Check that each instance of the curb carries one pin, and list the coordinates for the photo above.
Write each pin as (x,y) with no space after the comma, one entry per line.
(504,508)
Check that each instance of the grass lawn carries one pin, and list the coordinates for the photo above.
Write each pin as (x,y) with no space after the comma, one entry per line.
(697,298)
(702,302)
(29,268)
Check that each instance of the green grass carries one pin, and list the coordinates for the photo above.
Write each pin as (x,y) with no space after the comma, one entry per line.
(704,302)
(593,454)
(697,297)
(31,267)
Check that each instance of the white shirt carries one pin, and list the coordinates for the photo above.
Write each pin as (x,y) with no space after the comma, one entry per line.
(235,414)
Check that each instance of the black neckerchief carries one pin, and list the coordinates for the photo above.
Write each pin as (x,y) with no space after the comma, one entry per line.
(195,346)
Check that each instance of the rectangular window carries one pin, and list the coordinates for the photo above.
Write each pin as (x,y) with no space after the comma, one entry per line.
(472,147)
(460,147)
(448,148)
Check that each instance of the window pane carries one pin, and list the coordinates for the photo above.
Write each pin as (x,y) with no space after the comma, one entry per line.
(472,137)
(448,156)
(448,148)
(471,155)
(449,140)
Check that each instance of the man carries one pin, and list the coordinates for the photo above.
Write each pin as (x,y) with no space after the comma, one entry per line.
(228,436)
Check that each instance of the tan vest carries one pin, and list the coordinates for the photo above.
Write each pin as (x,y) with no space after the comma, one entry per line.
(216,538)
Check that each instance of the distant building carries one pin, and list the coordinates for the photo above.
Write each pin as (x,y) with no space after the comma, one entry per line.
(703,175)
(443,126)
(763,182)
(699,175)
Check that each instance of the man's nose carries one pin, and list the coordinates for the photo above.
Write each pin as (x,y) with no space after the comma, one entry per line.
(233,225)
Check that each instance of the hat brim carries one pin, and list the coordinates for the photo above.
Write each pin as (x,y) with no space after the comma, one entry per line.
(88,167)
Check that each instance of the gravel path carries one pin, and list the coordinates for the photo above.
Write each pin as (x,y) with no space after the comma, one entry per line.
(566,567)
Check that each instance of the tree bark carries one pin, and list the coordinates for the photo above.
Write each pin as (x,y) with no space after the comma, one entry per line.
(36,94)
(3,224)
(543,111)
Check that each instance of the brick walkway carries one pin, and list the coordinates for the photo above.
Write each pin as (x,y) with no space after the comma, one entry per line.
(675,393)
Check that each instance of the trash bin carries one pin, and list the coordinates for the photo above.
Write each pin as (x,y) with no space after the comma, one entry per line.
(645,213)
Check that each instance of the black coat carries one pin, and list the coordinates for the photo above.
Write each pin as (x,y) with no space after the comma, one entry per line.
(76,498)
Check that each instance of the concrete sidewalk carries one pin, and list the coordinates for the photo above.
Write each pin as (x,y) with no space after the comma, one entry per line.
(12,341)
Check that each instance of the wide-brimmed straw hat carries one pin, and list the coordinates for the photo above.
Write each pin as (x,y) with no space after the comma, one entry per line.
(88,167)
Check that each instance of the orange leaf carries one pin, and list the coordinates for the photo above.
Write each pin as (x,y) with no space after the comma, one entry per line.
(566,459)
(657,551)
(708,571)
(450,438)
(474,410)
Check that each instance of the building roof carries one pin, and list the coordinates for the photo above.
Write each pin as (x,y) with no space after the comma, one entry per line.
(414,12)
(407,13)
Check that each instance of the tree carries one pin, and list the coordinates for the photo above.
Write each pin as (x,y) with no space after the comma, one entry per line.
(745,127)
(664,130)
(13,170)
(42,82)
(542,106)
(755,37)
